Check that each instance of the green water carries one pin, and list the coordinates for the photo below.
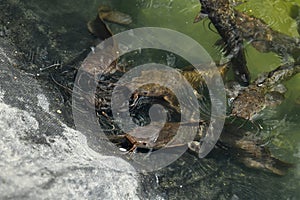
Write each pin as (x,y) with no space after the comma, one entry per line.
(282,122)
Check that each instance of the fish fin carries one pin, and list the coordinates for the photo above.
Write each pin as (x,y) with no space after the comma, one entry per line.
(201,15)
(98,28)
(260,157)
(278,167)
(107,14)
(220,42)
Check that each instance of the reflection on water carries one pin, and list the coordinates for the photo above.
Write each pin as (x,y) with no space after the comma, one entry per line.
(217,177)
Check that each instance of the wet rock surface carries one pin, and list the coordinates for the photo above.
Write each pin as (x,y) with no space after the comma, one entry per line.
(41,157)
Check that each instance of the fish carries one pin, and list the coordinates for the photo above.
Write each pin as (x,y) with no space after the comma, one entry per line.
(265,91)
(99,27)
(222,15)
(264,39)
(251,29)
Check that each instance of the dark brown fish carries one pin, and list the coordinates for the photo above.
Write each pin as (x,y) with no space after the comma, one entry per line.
(236,142)
(99,28)
(222,15)
(262,92)
(265,39)
(250,151)
(235,26)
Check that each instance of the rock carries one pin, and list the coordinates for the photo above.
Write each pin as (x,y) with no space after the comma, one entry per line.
(41,157)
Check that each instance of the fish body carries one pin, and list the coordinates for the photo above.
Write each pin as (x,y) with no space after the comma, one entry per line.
(266,90)
(222,15)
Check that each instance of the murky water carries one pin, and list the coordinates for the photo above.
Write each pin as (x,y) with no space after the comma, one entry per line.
(283,122)
(189,177)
